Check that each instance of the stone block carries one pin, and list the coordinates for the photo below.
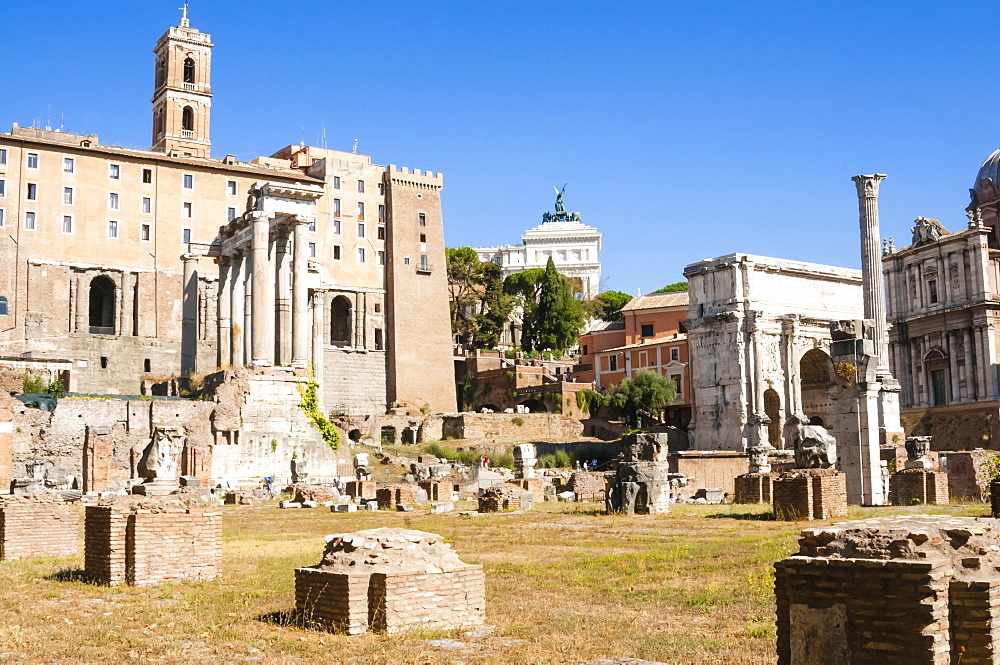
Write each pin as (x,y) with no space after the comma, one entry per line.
(441,507)
(404,508)
(371,505)
(420,497)
(309,504)
(567,497)
(527,500)
(190,481)
(344,508)
(289,504)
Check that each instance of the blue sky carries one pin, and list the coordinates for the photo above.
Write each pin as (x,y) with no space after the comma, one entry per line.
(684,130)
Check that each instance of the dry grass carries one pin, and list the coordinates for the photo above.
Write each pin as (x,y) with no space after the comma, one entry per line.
(564,585)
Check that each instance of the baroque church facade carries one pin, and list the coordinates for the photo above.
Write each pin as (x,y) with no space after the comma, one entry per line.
(119,265)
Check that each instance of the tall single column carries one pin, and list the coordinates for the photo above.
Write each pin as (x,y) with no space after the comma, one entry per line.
(189,326)
(73,307)
(247,308)
(871,263)
(282,307)
(262,302)
(971,391)
(318,321)
(982,377)
(224,306)
(952,336)
(990,362)
(301,327)
(237,316)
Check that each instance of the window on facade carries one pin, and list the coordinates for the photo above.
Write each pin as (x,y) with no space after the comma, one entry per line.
(29,221)
(675,354)
(336,227)
(188,70)
(423,262)
(676,378)
(336,252)
(406,260)
(3,188)
(144,232)
(3,155)
(361,230)
(3,217)
(3,305)
(147,176)
(361,186)
(102,307)
(379,342)
(230,214)
(932,293)
(381,232)
(68,196)
(336,182)
(378,307)
(187,119)
(146,206)
(613,363)
(69,165)
(230,188)
(112,229)
(31,192)
(381,257)
(186,236)
(188,181)
(423,237)
(187,210)
(361,254)
(381,189)
(584,350)
(381,213)
(114,172)
(312,250)
(32,160)
(340,321)
(312,225)
(422,218)
(67,224)
(361,209)
(112,201)
(336,207)
(647,329)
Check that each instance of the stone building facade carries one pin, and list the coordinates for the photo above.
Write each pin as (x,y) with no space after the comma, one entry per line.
(108,256)
(758,330)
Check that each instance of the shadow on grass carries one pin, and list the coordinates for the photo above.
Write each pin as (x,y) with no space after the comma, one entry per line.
(757,517)
(68,575)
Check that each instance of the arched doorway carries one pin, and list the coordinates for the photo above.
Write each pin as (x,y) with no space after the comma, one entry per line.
(102,306)
(534,406)
(936,362)
(772,407)
(816,379)
(340,321)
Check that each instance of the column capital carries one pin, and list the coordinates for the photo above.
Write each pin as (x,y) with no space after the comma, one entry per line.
(261,216)
(298,220)
(868,184)
(186,258)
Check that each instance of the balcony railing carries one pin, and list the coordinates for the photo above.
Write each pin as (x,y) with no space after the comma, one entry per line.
(189,86)
(187,134)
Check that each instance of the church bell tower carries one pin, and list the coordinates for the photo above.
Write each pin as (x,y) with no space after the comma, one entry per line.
(182,97)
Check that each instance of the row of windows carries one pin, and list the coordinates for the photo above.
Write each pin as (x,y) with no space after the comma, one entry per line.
(361,186)
(68,223)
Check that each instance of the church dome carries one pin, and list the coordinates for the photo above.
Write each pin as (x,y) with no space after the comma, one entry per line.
(990,169)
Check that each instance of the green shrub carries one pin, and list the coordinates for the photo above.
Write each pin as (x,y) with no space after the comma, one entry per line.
(310,405)
(560,459)
(517,420)
(33,383)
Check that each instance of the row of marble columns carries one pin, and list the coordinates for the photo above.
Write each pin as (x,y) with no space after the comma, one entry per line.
(976,380)
(257,323)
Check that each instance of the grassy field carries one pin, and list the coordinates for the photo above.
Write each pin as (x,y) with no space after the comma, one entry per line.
(564,585)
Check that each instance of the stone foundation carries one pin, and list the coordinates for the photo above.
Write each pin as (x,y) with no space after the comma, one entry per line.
(38,526)
(587,486)
(360,488)
(394,495)
(133,544)
(537,487)
(810,494)
(918,486)
(500,498)
(753,488)
(413,581)
(914,590)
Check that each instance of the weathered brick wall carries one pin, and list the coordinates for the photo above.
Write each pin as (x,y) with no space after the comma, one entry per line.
(866,612)
(918,486)
(38,526)
(144,547)
(499,498)
(332,601)
(537,488)
(6,440)
(364,488)
(393,495)
(974,608)
(436,490)
(752,488)
(810,494)
(546,426)
(415,600)
(964,468)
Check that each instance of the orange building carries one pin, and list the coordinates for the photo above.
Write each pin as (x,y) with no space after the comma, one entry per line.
(652,337)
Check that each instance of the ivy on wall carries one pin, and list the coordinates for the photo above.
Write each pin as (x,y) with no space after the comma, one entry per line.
(310,405)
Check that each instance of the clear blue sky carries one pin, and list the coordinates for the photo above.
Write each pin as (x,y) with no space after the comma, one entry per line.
(684,130)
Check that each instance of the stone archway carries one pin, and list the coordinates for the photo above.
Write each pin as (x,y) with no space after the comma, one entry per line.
(102,306)
(816,378)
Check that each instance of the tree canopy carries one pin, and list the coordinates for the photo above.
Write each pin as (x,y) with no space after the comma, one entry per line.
(479,304)
(607,305)
(552,318)
(672,288)
(645,396)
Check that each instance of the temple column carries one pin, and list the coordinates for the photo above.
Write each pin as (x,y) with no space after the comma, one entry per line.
(282,313)
(318,328)
(971,391)
(262,289)
(990,361)
(74,303)
(981,376)
(300,294)
(956,395)
(189,325)
(247,308)
(223,337)
(237,301)
(871,268)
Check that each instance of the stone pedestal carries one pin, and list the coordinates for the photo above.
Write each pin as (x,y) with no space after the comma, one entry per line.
(753,487)
(525,458)
(810,494)
(642,484)
(918,486)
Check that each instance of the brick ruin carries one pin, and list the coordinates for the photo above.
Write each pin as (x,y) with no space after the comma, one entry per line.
(365,489)
(42,525)
(915,590)
(753,488)
(390,580)
(500,498)
(394,495)
(918,483)
(150,540)
(810,494)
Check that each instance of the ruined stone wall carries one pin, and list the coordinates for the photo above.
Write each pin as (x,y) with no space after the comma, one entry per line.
(753,488)
(334,601)
(956,426)
(405,601)
(504,426)
(395,495)
(810,494)
(353,381)
(38,526)
(146,547)
(964,469)
(708,469)
(918,486)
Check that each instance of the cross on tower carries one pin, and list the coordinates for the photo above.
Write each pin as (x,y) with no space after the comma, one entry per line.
(184,15)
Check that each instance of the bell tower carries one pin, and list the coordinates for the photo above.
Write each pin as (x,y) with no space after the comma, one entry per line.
(182,96)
